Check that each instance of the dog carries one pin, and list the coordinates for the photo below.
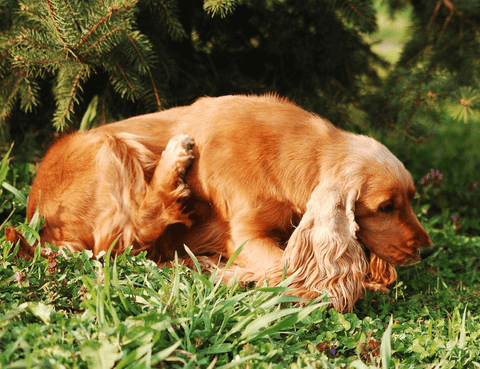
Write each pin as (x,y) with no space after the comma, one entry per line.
(328,207)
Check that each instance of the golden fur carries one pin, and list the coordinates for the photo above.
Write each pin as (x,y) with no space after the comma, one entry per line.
(327,204)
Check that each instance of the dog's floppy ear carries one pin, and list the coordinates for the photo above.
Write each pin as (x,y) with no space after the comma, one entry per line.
(380,274)
(324,249)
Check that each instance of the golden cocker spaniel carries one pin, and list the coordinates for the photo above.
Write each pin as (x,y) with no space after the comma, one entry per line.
(329,205)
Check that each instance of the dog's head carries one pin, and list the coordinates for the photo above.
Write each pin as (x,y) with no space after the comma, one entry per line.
(387,224)
(362,201)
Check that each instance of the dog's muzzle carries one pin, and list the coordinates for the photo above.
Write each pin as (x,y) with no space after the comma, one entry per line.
(426,251)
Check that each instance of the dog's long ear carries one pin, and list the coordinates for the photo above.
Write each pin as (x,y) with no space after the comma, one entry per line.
(324,249)
(121,162)
(380,274)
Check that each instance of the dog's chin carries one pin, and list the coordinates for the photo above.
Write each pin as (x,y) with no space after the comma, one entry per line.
(418,255)
(406,257)
(415,260)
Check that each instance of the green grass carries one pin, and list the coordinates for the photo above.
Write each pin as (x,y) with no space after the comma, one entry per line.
(76,312)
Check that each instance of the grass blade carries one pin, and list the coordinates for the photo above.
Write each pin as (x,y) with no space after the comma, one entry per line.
(463,333)
(16,192)
(386,347)
(4,164)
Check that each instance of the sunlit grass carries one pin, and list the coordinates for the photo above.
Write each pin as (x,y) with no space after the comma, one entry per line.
(73,311)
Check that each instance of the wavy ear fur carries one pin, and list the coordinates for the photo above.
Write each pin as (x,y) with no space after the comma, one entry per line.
(121,162)
(324,249)
(380,274)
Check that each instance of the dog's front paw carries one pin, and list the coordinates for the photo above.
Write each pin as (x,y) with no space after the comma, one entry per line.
(169,178)
(173,163)
(179,153)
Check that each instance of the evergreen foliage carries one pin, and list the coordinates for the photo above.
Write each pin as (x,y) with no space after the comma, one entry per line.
(221,7)
(70,42)
(439,65)
(146,55)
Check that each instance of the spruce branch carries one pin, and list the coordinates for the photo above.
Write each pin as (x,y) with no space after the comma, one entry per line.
(12,96)
(169,15)
(34,43)
(137,50)
(428,48)
(222,7)
(447,21)
(18,86)
(157,97)
(357,13)
(125,78)
(412,114)
(67,6)
(434,15)
(101,39)
(156,94)
(111,11)
(41,62)
(59,33)
(6,53)
(66,91)
(406,134)
(354,9)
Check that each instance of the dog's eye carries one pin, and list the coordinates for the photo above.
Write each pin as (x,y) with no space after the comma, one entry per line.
(388,208)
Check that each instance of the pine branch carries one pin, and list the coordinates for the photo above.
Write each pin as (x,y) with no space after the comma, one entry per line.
(67,6)
(29,95)
(69,83)
(111,11)
(11,85)
(222,7)
(101,39)
(357,12)
(52,14)
(168,11)
(146,66)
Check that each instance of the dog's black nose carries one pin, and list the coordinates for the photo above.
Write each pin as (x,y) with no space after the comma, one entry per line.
(427,251)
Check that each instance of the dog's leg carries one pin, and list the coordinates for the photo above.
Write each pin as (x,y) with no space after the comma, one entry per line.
(139,212)
(165,197)
(259,254)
